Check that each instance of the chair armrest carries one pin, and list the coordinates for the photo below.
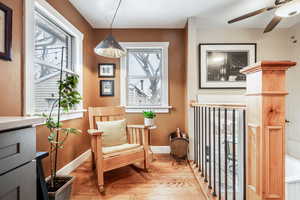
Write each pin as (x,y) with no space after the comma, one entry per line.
(138,126)
(94,132)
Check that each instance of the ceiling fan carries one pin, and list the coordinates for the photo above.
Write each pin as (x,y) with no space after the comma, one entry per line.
(284,9)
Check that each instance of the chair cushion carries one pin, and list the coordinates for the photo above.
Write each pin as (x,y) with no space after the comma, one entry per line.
(119,148)
(114,132)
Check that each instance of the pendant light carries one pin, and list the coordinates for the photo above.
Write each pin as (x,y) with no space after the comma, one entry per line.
(109,47)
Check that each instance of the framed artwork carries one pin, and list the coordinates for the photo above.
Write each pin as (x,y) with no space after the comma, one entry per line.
(106,70)
(220,64)
(5,32)
(107,88)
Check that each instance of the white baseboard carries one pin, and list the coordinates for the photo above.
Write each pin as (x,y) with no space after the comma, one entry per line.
(160,149)
(67,169)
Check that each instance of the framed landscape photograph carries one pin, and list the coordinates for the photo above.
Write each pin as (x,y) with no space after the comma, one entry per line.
(107,88)
(5,32)
(220,64)
(106,70)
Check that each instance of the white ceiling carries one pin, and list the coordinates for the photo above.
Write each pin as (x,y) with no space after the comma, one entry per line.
(174,13)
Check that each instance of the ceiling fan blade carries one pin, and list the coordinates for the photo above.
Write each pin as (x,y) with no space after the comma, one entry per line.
(251,14)
(275,21)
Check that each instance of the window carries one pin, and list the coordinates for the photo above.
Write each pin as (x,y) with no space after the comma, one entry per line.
(51,43)
(144,77)
(56,44)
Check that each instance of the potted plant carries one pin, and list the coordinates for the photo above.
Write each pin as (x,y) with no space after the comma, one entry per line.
(59,187)
(149,118)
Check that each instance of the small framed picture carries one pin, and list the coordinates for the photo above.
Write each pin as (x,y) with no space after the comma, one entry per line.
(220,64)
(106,70)
(5,32)
(107,88)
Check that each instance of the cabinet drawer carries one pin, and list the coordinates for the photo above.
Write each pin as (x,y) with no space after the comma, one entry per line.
(16,148)
(19,184)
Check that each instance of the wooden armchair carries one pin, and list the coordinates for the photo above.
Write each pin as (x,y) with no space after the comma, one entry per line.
(104,159)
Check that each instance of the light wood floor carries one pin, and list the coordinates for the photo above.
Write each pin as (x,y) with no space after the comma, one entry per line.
(164,181)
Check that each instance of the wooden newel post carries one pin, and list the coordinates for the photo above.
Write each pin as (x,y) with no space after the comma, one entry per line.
(265,152)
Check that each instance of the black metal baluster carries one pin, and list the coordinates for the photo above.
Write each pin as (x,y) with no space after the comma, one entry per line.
(244,153)
(205,145)
(199,139)
(233,156)
(214,150)
(219,153)
(195,133)
(225,152)
(196,138)
(209,147)
(202,141)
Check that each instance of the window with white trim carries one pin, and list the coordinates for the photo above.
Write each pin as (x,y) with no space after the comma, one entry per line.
(56,43)
(144,76)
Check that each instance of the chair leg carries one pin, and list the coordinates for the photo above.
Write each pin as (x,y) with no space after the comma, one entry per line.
(146,148)
(93,161)
(146,164)
(101,189)
(100,175)
(99,163)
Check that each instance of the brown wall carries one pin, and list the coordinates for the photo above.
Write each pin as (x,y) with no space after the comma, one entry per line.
(166,122)
(11,71)
(11,79)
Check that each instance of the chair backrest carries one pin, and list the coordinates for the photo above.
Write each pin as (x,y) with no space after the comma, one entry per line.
(105,114)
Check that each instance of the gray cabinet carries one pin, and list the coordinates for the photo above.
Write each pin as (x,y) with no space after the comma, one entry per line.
(16,148)
(19,184)
(17,165)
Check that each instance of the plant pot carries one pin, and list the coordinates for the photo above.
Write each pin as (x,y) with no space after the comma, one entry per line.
(148,122)
(63,192)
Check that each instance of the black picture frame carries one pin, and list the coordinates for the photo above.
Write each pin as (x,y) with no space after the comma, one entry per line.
(107,83)
(6,55)
(200,67)
(100,65)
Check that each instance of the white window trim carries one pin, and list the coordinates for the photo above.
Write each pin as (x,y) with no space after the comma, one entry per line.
(164,108)
(54,15)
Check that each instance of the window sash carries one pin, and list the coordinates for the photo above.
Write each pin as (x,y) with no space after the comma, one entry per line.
(46,87)
(145,101)
(163,47)
(76,49)
(69,38)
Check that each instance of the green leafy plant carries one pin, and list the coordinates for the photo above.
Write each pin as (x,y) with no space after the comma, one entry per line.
(149,114)
(68,97)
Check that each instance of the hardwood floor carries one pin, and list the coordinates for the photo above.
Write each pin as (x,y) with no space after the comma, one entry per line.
(164,181)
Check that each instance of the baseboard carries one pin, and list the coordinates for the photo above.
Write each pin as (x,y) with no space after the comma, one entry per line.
(71,166)
(160,149)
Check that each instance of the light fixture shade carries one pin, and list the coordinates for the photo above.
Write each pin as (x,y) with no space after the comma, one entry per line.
(109,47)
(289,9)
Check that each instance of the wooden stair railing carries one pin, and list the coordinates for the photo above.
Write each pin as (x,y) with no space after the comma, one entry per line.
(262,129)
(265,163)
